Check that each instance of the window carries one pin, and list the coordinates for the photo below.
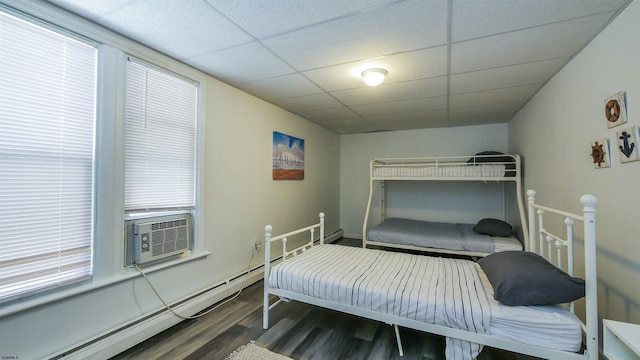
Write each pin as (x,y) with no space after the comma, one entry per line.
(161,114)
(47,122)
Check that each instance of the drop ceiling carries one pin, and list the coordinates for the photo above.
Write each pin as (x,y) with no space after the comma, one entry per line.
(450,63)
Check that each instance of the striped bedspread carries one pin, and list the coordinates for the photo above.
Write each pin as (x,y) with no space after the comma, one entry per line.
(435,290)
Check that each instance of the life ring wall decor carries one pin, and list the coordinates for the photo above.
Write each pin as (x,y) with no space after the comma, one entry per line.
(612,110)
(615,109)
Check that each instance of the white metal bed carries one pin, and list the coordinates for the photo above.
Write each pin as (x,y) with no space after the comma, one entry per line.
(502,168)
(307,292)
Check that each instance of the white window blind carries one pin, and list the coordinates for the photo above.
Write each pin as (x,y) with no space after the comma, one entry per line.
(161,113)
(47,121)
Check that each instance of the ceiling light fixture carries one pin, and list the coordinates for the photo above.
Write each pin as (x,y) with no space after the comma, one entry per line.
(374,77)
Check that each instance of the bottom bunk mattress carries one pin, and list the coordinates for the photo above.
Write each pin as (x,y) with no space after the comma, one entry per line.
(438,235)
(443,291)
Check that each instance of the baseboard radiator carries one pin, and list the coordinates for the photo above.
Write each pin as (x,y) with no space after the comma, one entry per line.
(124,337)
(329,238)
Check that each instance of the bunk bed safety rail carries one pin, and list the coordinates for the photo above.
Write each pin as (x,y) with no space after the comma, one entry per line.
(268,239)
(447,167)
(590,326)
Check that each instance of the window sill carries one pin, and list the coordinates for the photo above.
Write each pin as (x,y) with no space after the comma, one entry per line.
(32,301)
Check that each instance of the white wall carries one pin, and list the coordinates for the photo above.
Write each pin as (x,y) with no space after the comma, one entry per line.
(430,200)
(238,198)
(554,132)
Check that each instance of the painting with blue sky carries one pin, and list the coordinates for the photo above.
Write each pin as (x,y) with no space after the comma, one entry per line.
(288,157)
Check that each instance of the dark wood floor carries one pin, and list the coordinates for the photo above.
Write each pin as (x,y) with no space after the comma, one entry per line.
(297,330)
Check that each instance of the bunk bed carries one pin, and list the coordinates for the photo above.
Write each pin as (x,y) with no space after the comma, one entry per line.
(520,301)
(479,239)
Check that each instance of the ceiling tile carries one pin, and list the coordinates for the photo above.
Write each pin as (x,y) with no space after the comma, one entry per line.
(328,114)
(179,29)
(541,43)
(394,92)
(370,34)
(400,67)
(308,102)
(497,96)
(92,8)
(348,126)
(478,18)
(266,18)
(522,74)
(280,87)
(487,114)
(238,64)
(413,120)
(402,106)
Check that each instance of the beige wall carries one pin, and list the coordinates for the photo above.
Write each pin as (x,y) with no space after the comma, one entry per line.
(554,132)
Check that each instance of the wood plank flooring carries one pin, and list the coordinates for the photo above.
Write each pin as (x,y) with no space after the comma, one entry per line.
(297,330)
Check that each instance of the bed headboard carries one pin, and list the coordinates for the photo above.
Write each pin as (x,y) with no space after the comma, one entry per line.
(543,241)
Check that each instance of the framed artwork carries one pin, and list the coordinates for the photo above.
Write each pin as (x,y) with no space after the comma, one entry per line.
(600,153)
(628,144)
(288,157)
(615,109)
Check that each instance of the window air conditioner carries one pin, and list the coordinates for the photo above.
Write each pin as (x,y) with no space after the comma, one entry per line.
(155,238)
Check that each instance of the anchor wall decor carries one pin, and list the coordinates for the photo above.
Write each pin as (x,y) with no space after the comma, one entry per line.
(628,144)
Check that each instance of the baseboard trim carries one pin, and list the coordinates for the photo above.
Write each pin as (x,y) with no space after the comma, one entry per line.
(335,235)
(353,236)
(119,339)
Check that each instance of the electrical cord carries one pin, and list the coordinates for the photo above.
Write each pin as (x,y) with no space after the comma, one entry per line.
(256,247)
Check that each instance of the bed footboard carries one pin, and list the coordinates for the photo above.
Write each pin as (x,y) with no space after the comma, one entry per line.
(286,253)
(547,240)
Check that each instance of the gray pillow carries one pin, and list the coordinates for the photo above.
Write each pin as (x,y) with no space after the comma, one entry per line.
(493,227)
(526,278)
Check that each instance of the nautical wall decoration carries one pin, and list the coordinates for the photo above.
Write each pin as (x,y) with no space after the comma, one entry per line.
(628,144)
(288,157)
(615,109)
(600,153)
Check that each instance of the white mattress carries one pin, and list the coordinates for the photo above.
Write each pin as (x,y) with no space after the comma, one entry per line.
(335,273)
(509,243)
(451,294)
(441,170)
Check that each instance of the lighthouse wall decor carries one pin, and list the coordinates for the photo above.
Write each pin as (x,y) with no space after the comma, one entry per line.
(628,144)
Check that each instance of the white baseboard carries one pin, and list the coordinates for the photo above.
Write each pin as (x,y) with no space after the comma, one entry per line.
(353,236)
(122,338)
(329,238)
(117,340)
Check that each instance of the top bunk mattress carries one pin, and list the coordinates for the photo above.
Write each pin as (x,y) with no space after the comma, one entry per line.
(477,166)
(426,171)
(438,235)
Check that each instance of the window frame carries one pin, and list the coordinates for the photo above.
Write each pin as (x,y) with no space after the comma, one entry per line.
(109,151)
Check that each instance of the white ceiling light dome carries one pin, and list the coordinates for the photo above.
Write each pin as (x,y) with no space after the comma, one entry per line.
(374,77)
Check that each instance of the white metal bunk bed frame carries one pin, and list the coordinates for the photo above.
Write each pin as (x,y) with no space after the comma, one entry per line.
(589,326)
(441,169)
